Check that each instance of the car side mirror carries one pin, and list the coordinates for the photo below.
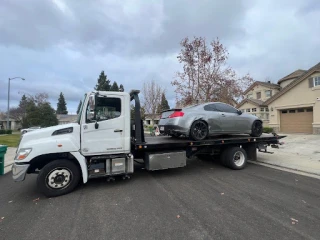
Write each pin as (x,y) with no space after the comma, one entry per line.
(239,112)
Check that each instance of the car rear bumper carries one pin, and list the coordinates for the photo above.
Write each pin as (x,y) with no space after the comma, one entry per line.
(19,171)
(171,129)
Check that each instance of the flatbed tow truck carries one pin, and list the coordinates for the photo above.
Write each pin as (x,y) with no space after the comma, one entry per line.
(106,140)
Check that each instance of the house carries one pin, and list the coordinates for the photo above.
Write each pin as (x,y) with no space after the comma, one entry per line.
(296,108)
(256,95)
(13,124)
(290,106)
(151,120)
(66,118)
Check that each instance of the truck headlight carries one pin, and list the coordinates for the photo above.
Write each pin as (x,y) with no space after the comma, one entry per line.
(22,153)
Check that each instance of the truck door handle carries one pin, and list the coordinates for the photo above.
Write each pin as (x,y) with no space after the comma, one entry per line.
(223,115)
(117,130)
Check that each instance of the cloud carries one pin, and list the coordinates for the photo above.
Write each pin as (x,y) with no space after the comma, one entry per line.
(64,45)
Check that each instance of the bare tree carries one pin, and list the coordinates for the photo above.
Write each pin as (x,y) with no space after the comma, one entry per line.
(152,97)
(206,75)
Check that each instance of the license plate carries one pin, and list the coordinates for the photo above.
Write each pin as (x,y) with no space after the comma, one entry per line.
(161,128)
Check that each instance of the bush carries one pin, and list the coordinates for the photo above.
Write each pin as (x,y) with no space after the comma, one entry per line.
(9,131)
(4,131)
(267,129)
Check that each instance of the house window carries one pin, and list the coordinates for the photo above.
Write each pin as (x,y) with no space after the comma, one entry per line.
(258,95)
(316,81)
(284,111)
(254,109)
(248,110)
(261,109)
(309,109)
(292,111)
(249,96)
(268,93)
(267,109)
(242,110)
(267,116)
(262,115)
(301,110)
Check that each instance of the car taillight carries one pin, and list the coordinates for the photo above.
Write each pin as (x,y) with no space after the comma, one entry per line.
(176,114)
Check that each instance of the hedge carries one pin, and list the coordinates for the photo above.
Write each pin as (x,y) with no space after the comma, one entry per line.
(4,131)
(267,129)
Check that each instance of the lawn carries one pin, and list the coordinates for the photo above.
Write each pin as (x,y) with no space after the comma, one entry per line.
(11,140)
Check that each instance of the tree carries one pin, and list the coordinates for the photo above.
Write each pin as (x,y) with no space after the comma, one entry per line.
(132,111)
(152,97)
(114,87)
(61,105)
(206,76)
(36,111)
(121,88)
(164,105)
(103,83)
(79,106)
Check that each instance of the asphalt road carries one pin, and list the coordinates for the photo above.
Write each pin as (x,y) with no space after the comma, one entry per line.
(200,201)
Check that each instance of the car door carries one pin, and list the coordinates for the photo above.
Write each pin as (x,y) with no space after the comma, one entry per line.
(103,133)
(228,117)
(213,118)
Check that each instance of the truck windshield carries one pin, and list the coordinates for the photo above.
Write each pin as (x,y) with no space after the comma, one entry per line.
(80,111)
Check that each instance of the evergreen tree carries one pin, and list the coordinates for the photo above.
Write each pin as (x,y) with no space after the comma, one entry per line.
(61,105)
(79,106)
(121,88)
(114,87)
(103,83)
(164,105)
(47,115)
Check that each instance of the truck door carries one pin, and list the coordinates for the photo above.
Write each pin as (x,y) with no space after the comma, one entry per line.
(103,130)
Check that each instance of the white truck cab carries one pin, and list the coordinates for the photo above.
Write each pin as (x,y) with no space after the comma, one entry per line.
(64,154)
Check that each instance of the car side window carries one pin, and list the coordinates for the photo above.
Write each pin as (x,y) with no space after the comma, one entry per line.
(210,107)
(106,109)
(222,107)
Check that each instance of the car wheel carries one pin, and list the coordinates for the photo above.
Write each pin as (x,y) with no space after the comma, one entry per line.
(256,129)
(58,178)
(199,130)
(23,132)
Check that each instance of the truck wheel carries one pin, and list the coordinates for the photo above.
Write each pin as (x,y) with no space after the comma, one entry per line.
(234,158)
(58,178)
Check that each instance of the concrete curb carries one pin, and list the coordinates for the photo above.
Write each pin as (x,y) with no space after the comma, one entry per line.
(286,169)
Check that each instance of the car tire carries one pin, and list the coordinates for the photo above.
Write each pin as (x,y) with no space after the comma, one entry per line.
(58,178)
(256,129)
(199,130)
(23,132)
(235,158)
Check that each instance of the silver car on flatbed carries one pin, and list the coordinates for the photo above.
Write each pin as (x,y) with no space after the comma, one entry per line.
(214,118)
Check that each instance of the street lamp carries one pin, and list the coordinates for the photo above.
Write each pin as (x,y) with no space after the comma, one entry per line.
(8,114)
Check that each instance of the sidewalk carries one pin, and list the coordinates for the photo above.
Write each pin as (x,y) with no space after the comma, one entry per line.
(8,159)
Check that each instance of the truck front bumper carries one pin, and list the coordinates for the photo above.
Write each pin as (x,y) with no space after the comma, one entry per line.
(19,171)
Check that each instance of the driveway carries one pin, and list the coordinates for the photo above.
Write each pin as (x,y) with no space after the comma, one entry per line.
(300,152)
(201,201)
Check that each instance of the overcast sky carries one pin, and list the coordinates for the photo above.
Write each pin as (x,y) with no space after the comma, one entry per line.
(64,45)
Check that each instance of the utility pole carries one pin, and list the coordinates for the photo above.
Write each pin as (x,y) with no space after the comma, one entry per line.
(8,110)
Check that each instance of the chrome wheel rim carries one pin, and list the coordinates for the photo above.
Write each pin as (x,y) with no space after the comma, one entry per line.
(59,178)
(199,130)
(238,158)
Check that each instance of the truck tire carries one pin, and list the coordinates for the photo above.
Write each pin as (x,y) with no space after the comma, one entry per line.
(234,158)
(58,178)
